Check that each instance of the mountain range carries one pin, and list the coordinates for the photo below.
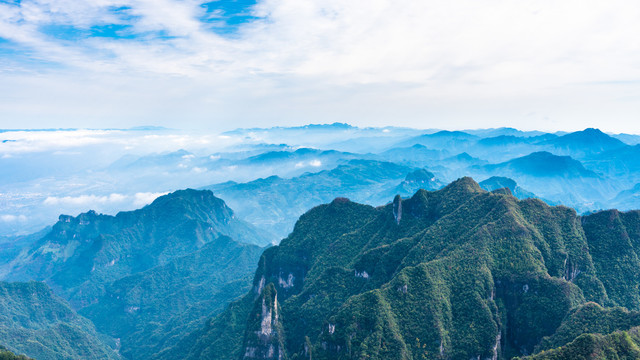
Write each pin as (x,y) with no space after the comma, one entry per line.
(343,243)
(456,273)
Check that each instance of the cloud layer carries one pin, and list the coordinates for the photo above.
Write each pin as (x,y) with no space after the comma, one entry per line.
(459,63)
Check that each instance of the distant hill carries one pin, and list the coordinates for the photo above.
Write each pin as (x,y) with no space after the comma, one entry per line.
(275,203)
(498,182)
(621,163)
(628,199)
(544,164)
(35,322)
(441,140)
(585,143)
(416,155)
(414,181)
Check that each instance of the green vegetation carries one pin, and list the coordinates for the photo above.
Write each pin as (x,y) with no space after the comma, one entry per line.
(623,345)
(35,322)
(457,273)
(590,318)
(151,310)
(6,354)
(146,277)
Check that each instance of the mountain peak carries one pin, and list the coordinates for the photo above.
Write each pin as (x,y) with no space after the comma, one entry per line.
(464,185)
(497,182)
(589,140)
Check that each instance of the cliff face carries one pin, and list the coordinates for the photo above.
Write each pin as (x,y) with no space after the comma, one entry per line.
(458,273)
(264,335)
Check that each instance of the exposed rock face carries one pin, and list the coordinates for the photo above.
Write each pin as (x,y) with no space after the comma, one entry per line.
(397,208)
(265,341)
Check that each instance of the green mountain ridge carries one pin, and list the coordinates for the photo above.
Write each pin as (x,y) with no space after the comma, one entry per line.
(457,273)
(36,322)
(81,254)
(146,277)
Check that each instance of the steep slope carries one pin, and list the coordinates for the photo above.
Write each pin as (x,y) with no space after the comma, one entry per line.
(35,322)
(587,319)
(151,310)
(275,203)
(82,254)
(456,273)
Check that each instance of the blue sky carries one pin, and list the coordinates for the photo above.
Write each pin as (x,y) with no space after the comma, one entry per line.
(217,65)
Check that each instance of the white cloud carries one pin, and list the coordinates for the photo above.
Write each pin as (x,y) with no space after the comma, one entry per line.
(312,163)
(145,198)
(85,200)
(8,218)
(362,61)
(91,201)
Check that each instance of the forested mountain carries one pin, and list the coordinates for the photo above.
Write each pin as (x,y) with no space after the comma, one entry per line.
(457,273)
(144,277)
(153,309)
(80,255)
(379,259)
(36,322)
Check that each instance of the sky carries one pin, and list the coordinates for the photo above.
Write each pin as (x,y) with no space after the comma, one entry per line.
(530,64)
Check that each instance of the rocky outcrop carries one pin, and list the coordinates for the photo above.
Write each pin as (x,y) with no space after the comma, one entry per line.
(264,338)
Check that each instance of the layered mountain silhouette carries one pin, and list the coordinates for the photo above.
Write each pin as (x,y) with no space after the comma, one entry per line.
(584,143)
(275,203)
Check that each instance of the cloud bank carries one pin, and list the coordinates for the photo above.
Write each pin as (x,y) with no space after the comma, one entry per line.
(461,63)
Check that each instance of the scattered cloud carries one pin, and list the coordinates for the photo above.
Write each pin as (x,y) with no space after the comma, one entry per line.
(85,200)
(8,218)
(452,64)
(91,201)
(145,198)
